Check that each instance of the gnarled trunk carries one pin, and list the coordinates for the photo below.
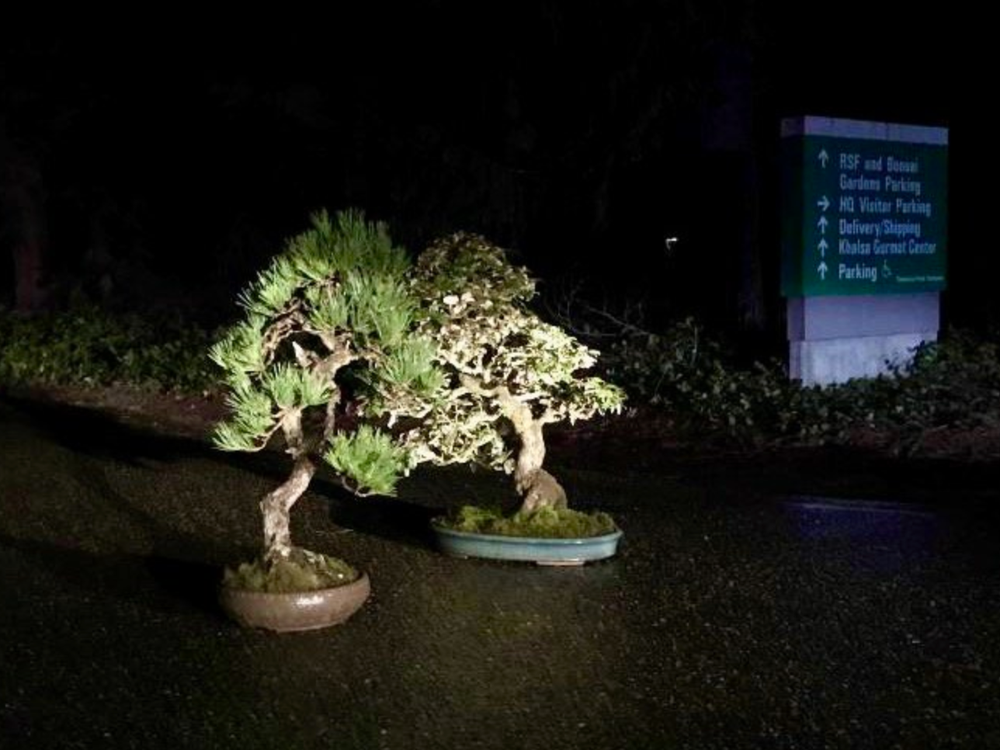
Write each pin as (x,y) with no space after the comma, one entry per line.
(538,488)
(276,508)
(541,490)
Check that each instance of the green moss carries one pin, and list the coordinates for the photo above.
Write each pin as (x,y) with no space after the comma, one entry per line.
(545,523)
(302,571)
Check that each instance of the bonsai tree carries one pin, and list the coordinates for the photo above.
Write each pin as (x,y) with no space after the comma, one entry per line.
(507,372)
(327,332)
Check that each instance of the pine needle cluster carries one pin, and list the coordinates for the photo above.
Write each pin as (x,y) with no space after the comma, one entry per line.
(331,316)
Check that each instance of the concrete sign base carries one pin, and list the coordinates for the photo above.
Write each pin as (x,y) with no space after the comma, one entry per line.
(835,339)
(839,360)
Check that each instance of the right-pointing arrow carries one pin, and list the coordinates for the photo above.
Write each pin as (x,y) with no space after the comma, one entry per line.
(822,269)
(823,203)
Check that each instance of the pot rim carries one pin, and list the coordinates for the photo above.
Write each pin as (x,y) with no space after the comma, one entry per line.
(539,540)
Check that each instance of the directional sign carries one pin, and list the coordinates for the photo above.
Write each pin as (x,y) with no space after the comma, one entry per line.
(864,207)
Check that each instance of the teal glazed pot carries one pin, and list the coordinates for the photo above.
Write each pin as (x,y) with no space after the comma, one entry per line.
(541,551)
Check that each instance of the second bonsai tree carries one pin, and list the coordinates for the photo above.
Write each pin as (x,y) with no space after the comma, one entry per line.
(508,374)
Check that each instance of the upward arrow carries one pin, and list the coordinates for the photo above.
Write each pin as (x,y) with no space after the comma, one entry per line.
(822,223)
(823,157)
(823,203)
(822,269)
(822,248)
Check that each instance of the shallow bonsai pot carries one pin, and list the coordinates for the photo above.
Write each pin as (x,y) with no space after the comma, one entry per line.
(543,551)
(301,610)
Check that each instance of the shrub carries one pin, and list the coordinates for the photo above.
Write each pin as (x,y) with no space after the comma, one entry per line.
(90,346)
(954,383)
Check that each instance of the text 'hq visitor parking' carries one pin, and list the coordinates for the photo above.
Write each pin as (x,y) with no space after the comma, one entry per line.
(865,208)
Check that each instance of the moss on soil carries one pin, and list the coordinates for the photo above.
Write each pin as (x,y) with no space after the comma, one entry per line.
(545,523)
(302,571)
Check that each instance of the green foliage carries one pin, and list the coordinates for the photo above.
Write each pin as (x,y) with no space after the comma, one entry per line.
(468,268)
(92,347)
(954,383)
(328,311)
(273,289)
(547,523)
(369,458)
(412,365)
(690,375)
(333,307)
(378,308)
(241,349)
(496,354)
(289,386)
(253,419)
(329,250)
(303,571)
(347,242)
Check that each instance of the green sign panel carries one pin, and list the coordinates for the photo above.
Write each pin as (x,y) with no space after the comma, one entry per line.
(864,208)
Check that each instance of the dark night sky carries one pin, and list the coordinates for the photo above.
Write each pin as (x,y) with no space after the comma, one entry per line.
(572,132)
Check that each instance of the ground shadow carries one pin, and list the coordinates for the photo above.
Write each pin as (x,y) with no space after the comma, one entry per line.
(428,493)
(390,519)
(196,583)
(165,584)
(99,435)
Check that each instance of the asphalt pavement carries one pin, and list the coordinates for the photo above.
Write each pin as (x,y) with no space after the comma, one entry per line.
(736,615)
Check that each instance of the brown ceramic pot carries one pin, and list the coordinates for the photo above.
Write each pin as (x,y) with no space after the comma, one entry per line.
(305,610)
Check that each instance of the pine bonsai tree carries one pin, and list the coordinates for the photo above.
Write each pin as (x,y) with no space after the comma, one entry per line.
(506,370)
(329,324)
